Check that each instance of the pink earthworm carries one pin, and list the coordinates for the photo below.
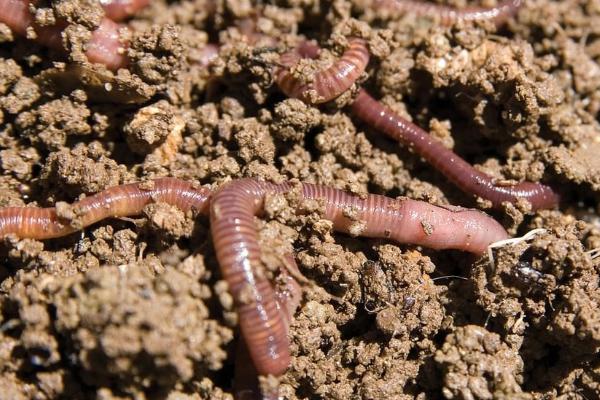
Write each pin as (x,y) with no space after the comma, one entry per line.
(104,47)
(381,118)
(118,201)
(263,320)
(288,294)
(328,83)
(449,15)
(232,213)
(457,170)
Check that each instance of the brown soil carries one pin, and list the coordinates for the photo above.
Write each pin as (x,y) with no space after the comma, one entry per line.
(136,308)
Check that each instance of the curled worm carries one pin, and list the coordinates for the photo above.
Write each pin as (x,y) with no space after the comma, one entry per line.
(450,15)
(457,170)
(328,83)
(262,312)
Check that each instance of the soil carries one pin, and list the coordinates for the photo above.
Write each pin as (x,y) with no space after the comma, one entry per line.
(137,308)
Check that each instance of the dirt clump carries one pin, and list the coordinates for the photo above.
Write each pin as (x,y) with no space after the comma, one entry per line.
(170,336)
(476,363)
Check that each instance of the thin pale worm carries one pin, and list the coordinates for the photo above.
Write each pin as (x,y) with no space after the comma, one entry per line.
(457,170)
(449,15)
(263,322)
(104,46)
(250,31)
(118,10)
(328,83)
(247,27)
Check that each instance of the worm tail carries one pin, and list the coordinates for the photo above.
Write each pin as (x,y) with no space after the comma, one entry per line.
(446,161)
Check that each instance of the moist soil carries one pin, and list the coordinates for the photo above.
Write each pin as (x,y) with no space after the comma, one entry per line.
(136,308)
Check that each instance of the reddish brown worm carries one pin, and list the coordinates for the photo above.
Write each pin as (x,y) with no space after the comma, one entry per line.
(381,118)
(288,295)
(262,316)
(232,213)
(457,170)
(326,84)
(450,15)
(104,46)
(118,201)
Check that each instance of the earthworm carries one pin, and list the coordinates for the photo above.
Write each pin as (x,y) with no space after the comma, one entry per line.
(449,15)
(118,10)
(288,295)
(104,46)
(326,84)
(232,213)
(118,201)
(457,170)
